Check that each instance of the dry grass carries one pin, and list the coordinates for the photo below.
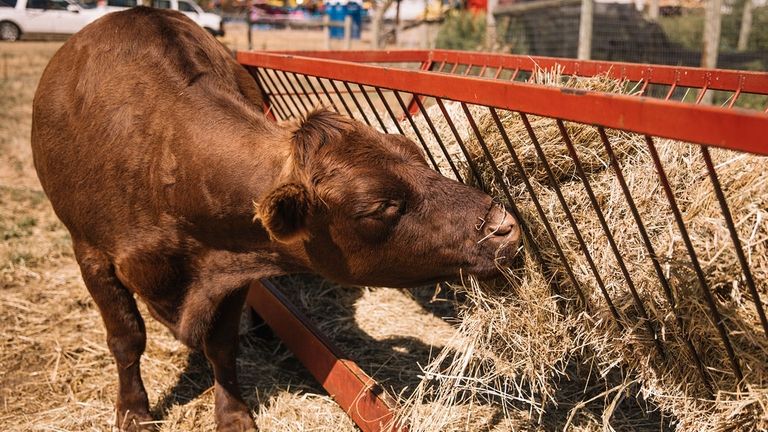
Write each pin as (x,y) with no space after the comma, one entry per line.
(55,370)
(518,337)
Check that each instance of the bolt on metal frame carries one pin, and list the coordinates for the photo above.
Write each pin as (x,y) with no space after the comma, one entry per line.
(294,82)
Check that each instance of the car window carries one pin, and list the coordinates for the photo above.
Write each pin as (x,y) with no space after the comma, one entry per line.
(186,7)
(58,4)
(7,3)
(162,4)
(37,4)
(122,3)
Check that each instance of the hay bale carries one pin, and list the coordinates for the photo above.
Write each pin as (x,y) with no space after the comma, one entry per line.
(517,338)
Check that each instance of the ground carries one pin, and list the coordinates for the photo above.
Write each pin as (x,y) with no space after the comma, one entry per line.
(56,372)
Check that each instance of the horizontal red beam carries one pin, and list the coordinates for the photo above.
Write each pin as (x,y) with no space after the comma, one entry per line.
(729,128)
(364,400)
(714,79)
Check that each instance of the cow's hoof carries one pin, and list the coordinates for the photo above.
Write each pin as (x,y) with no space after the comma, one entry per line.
(136,422)
(235,421)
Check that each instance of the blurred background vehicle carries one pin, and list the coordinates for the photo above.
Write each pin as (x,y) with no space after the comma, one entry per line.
(43,18)
(207,20)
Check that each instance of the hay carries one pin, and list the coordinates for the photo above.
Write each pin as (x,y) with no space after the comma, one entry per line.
(517,338)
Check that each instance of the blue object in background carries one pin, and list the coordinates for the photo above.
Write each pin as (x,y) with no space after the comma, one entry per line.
(355,12)
(336,13)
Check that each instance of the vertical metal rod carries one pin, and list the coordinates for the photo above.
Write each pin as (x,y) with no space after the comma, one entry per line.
(468,69)
(539,209)
(702,92)
(292,93)
(277,96)
(267,89)
(357,104)
(671,90)
(416,130)
(303,90)
(579,238)
(453,69)
(373,108)
(735,238)
(306,107)
(514,74)
(341,98)
(735,97)
(460,142)
(284,93)
(620,260)
(644,87)
(482,71)
(703,285)
(389,110)
(498,72)
(439,140)
(442,66)
(317,95)
(325,92)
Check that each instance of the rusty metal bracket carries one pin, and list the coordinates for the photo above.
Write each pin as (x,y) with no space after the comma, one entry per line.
(359,395)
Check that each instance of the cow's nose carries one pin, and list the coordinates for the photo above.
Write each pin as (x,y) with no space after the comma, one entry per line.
(501,225)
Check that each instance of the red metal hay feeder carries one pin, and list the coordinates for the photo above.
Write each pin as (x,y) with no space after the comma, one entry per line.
(348,81)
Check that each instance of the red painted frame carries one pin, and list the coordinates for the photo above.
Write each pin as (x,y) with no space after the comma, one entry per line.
(714,79)
(358,394)
(722,127)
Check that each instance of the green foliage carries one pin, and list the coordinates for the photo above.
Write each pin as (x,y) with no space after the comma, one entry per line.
(462,30)
(687,29)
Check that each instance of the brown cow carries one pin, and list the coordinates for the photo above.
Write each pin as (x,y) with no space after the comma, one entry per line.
(150,142)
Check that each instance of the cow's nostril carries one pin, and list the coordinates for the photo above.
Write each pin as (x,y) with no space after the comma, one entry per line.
(501,228)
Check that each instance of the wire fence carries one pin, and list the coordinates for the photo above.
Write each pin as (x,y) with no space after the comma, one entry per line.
(621,32)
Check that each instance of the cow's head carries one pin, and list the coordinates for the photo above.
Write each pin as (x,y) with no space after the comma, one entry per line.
(368,210)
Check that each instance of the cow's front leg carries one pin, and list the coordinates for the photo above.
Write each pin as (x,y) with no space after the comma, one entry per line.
(220,347)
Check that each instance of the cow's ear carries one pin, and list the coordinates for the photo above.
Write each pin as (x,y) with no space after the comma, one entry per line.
(284,211)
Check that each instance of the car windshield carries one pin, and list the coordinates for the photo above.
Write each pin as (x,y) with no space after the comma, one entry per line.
(186,7)
(7,3)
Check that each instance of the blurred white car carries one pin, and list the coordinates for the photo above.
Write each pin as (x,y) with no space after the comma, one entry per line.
(45,18)
(206,20)
(29,18)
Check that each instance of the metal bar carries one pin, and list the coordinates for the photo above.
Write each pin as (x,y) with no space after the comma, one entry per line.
(721,79)
(327,95)
(412,107)
(416,130)
(270,108)
(357,103)
(314,90)
(303,90)
(617,253)
(703,285)
(288,94)
(735,129)
(341,98)
(514,74)
(277,96)
(498,72)
(671,90)
(285,94)
(460,142)
(296,93)
(373,108)
(291,93)
(439,140)
(389,110)
(579,238)
(539,209)
(364,400)
(735,238)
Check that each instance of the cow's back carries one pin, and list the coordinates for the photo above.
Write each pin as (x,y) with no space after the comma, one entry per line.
(120,106)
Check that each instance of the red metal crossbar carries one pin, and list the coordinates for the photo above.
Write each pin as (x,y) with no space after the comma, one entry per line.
(714,79)
(721,127)
(365,401)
